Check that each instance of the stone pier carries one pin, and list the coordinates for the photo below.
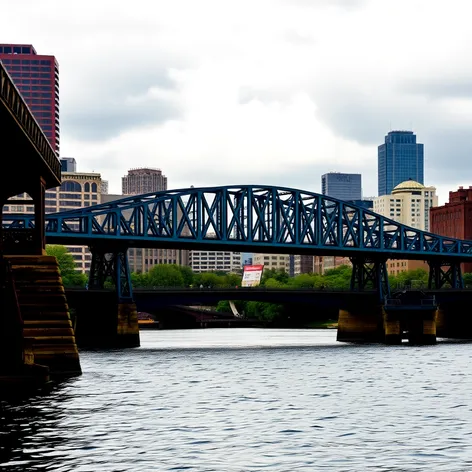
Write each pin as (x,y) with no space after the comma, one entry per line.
(360,324)
(102,322)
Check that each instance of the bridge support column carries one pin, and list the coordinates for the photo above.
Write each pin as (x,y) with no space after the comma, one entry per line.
(392,328)
(127,330)
(365,324)
(360,325)
(118,325)
(453,318)
(443,273)
(422,327)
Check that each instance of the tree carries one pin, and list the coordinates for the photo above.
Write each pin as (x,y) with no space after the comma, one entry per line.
(187,275)
(409,279)
(67,267)
(264,311)
(340,277)
(232,280)
(303,281)
(468,279)
(64,258)
(140,280)
(166,275)
(278,274)
(207,279)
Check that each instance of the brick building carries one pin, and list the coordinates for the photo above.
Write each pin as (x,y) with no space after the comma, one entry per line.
(454,218)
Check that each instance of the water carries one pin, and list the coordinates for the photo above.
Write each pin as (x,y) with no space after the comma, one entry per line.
(248,400)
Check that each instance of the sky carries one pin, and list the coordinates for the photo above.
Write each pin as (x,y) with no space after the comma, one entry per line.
(270,92)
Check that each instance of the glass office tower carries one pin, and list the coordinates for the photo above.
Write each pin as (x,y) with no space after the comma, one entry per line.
(342,186)
(400,158)
(37,79)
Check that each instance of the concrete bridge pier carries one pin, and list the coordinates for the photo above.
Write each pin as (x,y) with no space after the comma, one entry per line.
(422,327)
(127,330)
(361,324)
(411,315)
(393,332)
(108,320)
(102,321)
(454,320)
(418,326)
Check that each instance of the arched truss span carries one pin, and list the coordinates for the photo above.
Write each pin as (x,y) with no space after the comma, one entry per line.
(249,218)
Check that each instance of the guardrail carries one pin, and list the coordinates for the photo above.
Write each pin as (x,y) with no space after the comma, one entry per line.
(418,302)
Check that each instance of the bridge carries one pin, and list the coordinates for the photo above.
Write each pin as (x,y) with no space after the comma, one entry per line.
(36,335)
(253,218)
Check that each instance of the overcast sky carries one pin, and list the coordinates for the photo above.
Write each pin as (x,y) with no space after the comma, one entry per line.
(275,92)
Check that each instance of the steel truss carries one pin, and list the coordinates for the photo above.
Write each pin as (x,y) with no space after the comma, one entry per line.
(443,273)
(370,273)
(111,264)
(239,218)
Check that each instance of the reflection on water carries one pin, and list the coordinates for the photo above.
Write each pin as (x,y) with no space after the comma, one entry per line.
(250,400)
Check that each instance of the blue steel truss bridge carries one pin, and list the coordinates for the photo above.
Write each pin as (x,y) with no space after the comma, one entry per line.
(246,218)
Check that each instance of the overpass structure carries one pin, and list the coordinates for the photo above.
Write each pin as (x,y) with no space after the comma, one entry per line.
(250,218)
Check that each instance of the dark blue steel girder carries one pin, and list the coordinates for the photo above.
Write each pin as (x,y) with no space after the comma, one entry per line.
(244,218)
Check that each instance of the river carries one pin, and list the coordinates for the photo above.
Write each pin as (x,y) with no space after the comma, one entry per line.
(243,400)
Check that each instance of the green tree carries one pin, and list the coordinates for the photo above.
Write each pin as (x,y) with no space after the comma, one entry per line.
(278,274)
(166,275)
(264,311)
(67,266)
(140,280)
(231,280)
(417,278)
(274,283)
(64,258)
(187,275)
(207,279)
(340,277)
(467,279)
(303,281)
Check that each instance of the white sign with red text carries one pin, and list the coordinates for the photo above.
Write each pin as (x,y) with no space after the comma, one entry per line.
(252,275)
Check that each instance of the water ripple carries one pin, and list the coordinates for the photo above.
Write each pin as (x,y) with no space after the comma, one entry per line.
(246,401)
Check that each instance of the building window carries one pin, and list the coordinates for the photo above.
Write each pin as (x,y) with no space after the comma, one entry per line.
(70,186)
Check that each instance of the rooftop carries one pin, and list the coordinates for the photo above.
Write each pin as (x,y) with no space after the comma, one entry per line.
(408,185)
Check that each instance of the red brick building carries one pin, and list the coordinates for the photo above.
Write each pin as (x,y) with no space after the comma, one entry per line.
(454,219)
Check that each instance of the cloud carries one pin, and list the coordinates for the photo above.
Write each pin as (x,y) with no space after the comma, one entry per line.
(259,91)
(99,115)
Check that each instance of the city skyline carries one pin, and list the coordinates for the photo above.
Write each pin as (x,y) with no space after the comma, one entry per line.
(249,107)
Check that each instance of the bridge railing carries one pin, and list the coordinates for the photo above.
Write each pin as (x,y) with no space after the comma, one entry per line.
(430,301)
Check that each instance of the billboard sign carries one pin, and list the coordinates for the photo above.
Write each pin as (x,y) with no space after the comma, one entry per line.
(252,275)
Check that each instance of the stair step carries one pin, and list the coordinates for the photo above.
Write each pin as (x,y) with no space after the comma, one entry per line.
(49,340)
(30,324)
(41,332)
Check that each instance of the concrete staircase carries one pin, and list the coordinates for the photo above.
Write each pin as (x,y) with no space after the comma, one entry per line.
(47,328)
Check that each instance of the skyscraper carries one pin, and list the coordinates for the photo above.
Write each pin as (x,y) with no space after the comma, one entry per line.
(137,182)
(37,78)
(400,159)
(342,186)
(143,180)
